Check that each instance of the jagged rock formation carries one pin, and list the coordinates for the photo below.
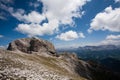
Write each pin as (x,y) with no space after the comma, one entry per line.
(15,65)
(31,45)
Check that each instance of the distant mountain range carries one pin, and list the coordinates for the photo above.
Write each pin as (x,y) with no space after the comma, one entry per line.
(107,55)
(92,48)
(99,48)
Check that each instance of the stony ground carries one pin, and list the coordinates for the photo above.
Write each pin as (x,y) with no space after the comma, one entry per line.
(21,66)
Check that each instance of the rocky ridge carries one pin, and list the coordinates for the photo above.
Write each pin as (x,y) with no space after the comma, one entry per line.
(31,45)
(36,59)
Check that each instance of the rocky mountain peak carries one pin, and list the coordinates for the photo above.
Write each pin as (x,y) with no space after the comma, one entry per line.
(31,45)
(62,66)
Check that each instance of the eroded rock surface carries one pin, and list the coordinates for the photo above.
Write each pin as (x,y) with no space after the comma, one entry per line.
(31,45)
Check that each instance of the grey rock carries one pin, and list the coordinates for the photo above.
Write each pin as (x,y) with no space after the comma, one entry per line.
(31,45)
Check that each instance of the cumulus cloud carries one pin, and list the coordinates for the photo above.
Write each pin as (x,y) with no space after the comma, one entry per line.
(70,35)
(81,35)
(63,10)
(109,19)
(111,39)
(57,12)
(33,17)
(36,29)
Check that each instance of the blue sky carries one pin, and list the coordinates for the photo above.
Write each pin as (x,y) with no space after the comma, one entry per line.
(66,23)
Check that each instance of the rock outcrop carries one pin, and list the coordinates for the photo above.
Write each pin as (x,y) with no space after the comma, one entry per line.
(65,66)
(31,45)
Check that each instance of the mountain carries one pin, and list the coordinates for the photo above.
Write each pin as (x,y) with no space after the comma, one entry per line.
(112,64)
(106,55)
(95,52)
(100,47)
(31,45)
(37,59)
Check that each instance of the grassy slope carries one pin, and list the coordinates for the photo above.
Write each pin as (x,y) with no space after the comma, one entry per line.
(23,61)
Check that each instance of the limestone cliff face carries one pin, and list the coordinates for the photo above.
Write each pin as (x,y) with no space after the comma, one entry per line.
(31,45)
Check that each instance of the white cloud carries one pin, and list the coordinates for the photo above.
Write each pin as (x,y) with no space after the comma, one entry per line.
(111,39)
(63,10)
(57,12)
(109,19)
(70,35)
(117,1)
(81,35)
(1,36)
(36,29)
(32,17)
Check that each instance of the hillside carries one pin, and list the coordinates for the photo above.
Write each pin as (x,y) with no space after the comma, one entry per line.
(36,59)
(106,55)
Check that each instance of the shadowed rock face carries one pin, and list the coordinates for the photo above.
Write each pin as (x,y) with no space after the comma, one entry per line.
(29,45)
